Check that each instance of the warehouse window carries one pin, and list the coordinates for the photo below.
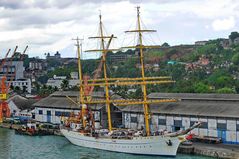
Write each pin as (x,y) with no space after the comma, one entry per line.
(66,114)
(40,112)
(204,125)
(192,123)
(133,119)
(57,113)
(178,123)
(48,112)
(221,126)
(162,122)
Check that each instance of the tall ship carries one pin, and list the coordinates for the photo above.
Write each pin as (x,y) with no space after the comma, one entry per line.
(82,130)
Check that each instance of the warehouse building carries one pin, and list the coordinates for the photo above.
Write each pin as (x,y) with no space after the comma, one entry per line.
(53,107)
(218,112)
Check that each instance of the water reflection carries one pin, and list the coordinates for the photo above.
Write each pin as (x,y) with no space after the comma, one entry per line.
(5,143)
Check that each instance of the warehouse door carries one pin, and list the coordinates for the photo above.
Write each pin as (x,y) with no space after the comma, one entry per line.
(48,113)
(222,134)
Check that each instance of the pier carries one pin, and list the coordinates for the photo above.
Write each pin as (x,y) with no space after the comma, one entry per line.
(222,151)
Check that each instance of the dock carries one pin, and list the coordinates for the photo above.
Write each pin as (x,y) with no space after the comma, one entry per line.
(10,126)
(223,151)
(17,126)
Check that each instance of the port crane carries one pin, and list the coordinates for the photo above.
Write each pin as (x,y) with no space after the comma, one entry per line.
(6,83)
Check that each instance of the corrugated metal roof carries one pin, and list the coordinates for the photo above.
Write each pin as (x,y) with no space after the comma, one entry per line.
(212,105)
(75,94)
(203,108)
(194,96)
(22,102)
(59,100)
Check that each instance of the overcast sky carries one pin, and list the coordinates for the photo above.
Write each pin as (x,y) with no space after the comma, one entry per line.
(49,25)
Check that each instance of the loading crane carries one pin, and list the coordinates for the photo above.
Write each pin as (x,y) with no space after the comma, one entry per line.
(5,84)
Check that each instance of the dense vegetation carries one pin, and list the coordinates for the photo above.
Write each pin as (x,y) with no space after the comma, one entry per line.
(219,75)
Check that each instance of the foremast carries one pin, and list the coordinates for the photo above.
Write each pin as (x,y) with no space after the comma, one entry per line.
(81,93)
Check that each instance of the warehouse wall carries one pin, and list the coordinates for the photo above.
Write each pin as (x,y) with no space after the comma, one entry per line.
(225,128)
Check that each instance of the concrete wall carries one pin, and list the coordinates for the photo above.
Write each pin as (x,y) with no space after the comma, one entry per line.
(211,127)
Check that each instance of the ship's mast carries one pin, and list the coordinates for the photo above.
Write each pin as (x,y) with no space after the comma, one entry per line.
(140,46)
(146,107)
(81,93)
(104,51)
(143,81)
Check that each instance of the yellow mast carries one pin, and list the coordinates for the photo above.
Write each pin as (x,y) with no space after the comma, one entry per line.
(104,51)
(140,46)
(146,107)
(143,81)
(81,95)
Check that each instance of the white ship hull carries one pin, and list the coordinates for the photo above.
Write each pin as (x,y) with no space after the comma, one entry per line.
(153,145)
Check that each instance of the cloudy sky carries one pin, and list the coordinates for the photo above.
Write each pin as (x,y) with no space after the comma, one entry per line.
(49,25)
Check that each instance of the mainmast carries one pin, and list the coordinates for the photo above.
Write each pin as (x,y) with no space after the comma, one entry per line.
(104,49)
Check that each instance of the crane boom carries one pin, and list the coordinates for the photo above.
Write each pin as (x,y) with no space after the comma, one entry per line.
(15,71)
(99,68)
(4,60)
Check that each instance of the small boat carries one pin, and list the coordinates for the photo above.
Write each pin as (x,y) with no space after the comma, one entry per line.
(33,129)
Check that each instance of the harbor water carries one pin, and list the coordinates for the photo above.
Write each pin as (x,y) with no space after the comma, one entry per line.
(55,147)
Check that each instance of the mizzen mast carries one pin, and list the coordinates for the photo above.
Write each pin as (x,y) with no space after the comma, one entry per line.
(140,46)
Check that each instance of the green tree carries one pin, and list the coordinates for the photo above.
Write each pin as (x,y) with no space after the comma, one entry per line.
(43,79)
(233,35)
(165,45)
(224,81)
(65,84)
(201,88)
(17,89)
(226,90)
(235,59)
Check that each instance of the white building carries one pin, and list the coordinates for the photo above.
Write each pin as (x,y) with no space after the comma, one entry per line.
(53,107)
(21,83)
(12,68)
(56,81)
(218,112)
(19,104)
